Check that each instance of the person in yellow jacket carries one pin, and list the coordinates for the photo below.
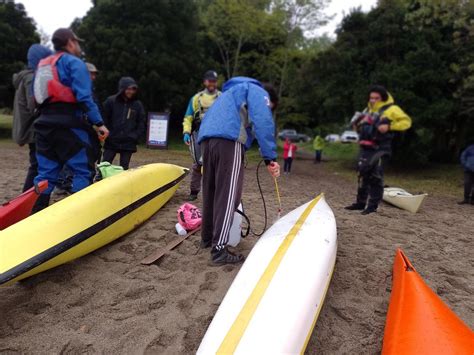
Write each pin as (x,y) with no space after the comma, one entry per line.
(197,107)
(376,126)
(318,146)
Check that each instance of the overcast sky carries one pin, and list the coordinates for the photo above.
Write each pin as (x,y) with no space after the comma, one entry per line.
(52,14)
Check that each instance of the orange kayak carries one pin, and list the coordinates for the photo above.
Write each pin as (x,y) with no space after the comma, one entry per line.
(20,207)
(418,321)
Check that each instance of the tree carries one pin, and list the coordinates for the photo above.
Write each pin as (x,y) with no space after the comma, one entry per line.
(232,24)
(17,34)
(154,41)
(410,47)
(299,16)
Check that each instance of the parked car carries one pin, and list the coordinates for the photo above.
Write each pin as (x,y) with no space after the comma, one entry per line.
(293,135)
(333,138)
(349,137)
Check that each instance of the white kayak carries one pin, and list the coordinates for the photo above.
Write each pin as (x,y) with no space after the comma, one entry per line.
(403,199)
(274,302)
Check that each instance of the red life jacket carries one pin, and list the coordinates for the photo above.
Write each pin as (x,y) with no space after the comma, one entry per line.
(47,86)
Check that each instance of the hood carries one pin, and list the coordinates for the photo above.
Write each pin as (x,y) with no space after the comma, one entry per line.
(380,104)
(239,80)
(18,77)
(35,53)
(126,82)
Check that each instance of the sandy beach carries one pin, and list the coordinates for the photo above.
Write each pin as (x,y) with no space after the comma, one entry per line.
(107,302)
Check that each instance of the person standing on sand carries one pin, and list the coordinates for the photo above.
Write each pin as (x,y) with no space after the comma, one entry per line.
(24,107)
(467,162)
(198,106)
(125,116)
(289,150)
(243,112)
(318,146)
(375,126)
(63,90)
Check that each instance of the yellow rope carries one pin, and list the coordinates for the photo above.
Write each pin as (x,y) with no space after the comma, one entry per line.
(278,196)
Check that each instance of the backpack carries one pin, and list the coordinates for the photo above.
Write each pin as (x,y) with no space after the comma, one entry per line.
(189,216)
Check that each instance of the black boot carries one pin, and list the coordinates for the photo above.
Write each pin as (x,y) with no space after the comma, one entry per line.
(368,210)
(41,203)
(358,206)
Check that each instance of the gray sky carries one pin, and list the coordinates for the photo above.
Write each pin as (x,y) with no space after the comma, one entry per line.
(53,14)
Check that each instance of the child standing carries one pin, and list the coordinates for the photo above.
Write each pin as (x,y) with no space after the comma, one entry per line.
(289,149)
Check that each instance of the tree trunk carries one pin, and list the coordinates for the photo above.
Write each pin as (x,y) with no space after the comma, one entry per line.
(237,54)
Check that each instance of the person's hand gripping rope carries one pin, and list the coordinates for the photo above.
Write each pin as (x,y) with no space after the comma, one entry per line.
(274,170)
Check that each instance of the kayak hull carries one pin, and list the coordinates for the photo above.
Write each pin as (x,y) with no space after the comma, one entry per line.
(274,302)
(86,220)
(403,199)
(418,321)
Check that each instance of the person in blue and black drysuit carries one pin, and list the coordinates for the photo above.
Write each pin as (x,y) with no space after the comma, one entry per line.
(63,90)
(243,112)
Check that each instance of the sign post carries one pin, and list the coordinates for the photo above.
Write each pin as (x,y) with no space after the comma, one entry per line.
(157,132)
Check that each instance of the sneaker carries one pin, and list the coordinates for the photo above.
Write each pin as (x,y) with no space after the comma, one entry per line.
(205,244)
(463,202)
(225,256)
(355,207)
(192,197)
(369,210)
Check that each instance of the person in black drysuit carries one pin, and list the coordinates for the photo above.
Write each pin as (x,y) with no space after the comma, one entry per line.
(376,126)
(23,109)
(125,116)
(467,162)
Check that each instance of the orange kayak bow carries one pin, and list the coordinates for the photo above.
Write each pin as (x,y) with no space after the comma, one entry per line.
(418,321)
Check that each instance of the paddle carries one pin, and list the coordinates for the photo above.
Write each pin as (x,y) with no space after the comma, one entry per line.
(170,246)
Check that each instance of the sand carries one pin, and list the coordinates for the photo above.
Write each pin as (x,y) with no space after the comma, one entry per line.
(107,302)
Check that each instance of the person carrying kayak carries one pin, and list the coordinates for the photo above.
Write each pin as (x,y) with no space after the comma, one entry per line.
(24,109)
(467,162)
(318,146)
(197,108)
(376,126)
(125,116)
(289,150)
(63,90)
(243,112)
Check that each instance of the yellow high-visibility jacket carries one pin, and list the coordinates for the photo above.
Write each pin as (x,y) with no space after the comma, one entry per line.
(197,107)
(399,120)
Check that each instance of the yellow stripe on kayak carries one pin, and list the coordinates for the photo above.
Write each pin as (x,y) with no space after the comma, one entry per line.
(320,306)
(237,330)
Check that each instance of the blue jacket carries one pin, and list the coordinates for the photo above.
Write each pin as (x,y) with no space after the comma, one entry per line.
(467,158)
(241,114)
(73,72)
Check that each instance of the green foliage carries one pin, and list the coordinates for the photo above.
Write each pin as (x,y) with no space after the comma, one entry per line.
(411,48)
(17,34)
(154,41)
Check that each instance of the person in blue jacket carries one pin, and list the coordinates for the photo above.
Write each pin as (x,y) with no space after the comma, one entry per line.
(467,162)
(63,90)
(243,112)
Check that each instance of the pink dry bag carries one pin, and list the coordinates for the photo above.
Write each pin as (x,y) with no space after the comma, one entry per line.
(189,216)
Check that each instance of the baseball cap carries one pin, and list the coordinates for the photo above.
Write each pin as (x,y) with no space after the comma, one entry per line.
(210,75)
(91,68)
(62,35)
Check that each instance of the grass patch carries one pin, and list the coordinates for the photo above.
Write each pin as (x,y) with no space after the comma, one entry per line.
(444,179)
(6,122)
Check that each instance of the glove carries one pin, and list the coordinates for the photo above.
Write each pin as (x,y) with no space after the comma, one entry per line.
(187,139)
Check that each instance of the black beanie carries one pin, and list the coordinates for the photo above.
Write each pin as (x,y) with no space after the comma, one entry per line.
(379,89)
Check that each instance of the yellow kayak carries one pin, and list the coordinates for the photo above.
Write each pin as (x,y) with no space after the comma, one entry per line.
(85,221)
